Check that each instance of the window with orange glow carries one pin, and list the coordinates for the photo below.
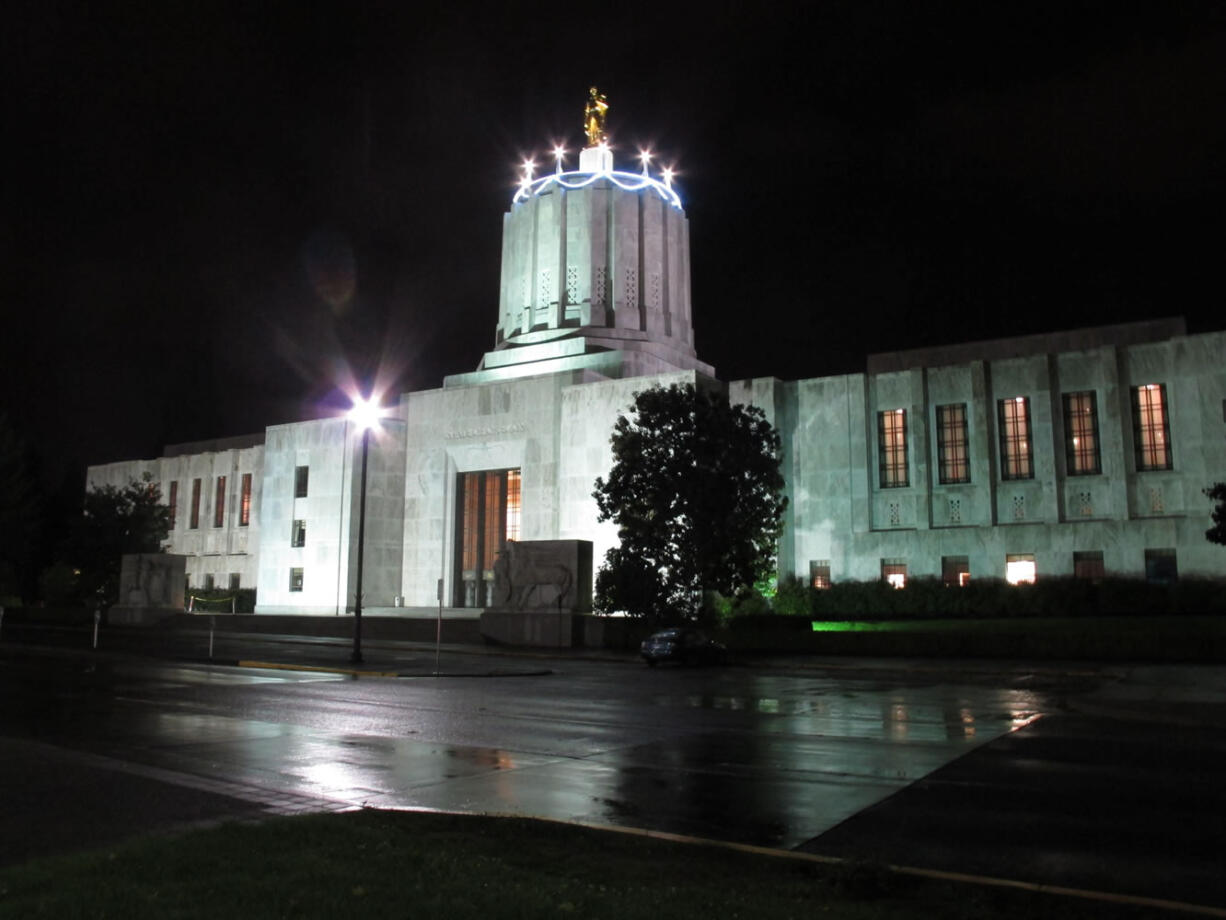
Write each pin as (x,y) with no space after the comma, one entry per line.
(892,448)
(194,521)
(244,508)
(1081,434)
(819,573)
(952,463)
(1151,428)
(1020,569)
(955,570)
(894,572)
(1016,449)
(513,508)
(219,502)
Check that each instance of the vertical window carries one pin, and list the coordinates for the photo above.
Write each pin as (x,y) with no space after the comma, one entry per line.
(300,481)
(219,503)
(895,572)
(1151,427)
(1089,565)
(244,508)
(295,579)
(952,461)
(513,506)
(1160,567)
(489,512)
(892,448)
(208,582)
(172,499)
(195,509)
(1016,454)
(819,573)
(1020,569)
(955,570)
(234,581)
(1081,434)
(298,534)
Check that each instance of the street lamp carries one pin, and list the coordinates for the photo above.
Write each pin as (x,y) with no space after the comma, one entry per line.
(365,414)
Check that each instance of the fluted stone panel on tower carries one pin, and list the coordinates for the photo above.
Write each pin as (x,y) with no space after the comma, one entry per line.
(593,263)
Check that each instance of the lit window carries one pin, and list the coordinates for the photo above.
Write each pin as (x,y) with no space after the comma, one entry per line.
(244,508)
(955,570)
(513,504)
(952,462)
(1081,434)
(1160,566)
(301,474)
(298,534)
(489,511)
(819,573)
(172,499)
(894,571)
(195,509)
(295,579)
(892,448)
(1151,427)
(1020,569)
(1089,565)
(219,503)
(1016,454)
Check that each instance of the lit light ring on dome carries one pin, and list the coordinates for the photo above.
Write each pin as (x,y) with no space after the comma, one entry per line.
(629,182)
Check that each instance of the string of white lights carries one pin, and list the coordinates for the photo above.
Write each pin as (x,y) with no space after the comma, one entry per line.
(629,182)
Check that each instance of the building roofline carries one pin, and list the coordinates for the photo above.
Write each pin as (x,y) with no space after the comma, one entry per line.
(237,442)
(1021,346)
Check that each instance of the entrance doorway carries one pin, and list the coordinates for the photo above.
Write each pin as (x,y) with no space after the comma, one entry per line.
(488,515)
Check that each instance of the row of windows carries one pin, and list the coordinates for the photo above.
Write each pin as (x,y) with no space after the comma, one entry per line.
(1160,566)
(301,476)
(219,502)
(1151,438)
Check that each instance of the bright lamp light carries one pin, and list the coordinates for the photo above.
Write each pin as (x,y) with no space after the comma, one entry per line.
(365,413)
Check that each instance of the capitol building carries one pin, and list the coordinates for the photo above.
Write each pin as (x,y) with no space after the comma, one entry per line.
(1081,453)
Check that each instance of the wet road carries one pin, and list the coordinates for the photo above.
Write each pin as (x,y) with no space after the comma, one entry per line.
(737,754)
(1046,777)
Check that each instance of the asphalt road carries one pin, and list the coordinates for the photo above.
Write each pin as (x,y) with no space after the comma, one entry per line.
(976,769)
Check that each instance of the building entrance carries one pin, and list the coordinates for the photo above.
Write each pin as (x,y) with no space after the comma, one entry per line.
(488,515)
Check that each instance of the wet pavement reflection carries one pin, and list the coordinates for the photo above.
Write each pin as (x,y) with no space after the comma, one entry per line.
(769,759)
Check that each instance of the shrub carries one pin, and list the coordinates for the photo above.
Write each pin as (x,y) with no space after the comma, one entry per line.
(1053,596)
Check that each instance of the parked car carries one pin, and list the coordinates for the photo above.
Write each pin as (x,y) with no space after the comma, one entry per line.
(683,644)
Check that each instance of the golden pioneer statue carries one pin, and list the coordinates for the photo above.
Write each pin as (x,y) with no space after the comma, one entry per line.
(593,117)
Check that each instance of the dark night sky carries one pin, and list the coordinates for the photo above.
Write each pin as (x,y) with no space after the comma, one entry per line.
(197,186)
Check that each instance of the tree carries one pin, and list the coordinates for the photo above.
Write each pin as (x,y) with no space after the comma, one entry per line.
(695,492)
(132,519)
(1217,533)
(20,514)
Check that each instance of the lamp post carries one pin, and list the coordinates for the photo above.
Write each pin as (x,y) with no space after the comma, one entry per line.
(365,414)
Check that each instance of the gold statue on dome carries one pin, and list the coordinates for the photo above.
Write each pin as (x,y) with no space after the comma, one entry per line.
(593,117)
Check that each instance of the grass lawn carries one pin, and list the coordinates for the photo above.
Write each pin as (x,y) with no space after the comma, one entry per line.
(396,864)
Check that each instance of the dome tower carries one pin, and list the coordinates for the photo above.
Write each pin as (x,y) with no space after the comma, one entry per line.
(595,270)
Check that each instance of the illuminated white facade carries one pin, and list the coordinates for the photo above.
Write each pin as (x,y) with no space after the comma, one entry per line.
(1075,453)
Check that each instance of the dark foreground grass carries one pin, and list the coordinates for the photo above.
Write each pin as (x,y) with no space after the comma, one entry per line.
(394,864)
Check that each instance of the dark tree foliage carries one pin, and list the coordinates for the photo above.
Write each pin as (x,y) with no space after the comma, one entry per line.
(1217,533)
(695,491)
(20,514)
(132,519)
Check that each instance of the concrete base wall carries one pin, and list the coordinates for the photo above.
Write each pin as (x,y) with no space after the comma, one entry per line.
(540,630)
